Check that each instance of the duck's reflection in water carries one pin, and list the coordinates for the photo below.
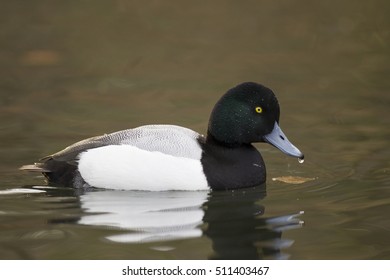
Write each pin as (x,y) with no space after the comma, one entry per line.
(150,216)
(232,220)
(237,229)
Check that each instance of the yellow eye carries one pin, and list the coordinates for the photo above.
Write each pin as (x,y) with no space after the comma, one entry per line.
(259,110)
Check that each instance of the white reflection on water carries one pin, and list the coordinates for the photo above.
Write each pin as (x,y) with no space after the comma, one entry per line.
(20,191)
(151,216)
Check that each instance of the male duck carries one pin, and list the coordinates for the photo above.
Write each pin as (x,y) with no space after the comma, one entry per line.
(169,157)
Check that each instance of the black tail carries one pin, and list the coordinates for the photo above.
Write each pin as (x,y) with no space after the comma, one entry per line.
(56,172)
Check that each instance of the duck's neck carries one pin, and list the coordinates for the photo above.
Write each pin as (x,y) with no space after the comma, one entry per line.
(212,140)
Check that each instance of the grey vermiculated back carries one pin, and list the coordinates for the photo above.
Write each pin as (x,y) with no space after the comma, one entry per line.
(168,139)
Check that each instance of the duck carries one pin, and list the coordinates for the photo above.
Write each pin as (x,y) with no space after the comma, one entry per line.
(162,157)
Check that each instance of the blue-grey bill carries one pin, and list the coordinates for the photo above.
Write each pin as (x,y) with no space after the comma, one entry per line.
(278,139)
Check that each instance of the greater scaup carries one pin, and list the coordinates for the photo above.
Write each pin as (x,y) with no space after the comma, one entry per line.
(169,157)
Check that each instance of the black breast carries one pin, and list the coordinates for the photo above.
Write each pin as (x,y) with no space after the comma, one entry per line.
(232,167)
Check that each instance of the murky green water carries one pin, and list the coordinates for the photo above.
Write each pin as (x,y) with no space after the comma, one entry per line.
(76,69)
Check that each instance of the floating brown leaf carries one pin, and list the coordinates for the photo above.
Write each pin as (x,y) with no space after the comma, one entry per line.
(292,179)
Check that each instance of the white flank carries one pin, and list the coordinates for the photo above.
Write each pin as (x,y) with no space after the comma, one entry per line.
(125,167)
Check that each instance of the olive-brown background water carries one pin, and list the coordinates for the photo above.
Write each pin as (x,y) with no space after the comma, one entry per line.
(75,69)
